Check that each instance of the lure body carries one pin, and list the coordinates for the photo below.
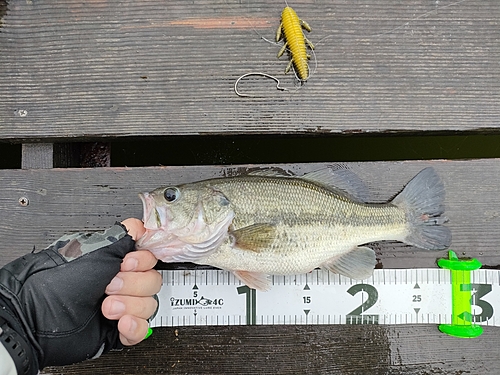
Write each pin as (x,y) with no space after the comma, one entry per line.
(291,30)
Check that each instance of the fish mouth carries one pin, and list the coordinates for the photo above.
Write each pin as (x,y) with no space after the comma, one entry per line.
(189,242)
(151,217)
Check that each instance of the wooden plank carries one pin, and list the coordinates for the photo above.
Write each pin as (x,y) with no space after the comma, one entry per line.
(37,155)
(67,200)
(125,68)
(346,350)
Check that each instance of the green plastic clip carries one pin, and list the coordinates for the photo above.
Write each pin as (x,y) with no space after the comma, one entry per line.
(149,333)
(461,323)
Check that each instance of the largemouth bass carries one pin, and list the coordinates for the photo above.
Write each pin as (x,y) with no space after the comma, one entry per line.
(270,224)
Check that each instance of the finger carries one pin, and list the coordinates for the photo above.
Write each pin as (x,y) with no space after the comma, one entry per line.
(115,307)
(140,284)
(141,260)
(135,228)
(132,329)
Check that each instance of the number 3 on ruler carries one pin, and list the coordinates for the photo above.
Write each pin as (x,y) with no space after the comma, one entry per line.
(480,291)
(356,316)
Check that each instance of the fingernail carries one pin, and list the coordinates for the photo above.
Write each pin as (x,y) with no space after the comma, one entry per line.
(117,308)
(130,264)
(115,285)
(150,332)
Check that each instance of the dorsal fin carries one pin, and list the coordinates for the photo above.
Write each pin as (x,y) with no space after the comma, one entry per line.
(335,177)
(270,172)
(341,180)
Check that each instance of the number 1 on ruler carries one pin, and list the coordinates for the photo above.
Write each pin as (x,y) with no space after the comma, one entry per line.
(251,308)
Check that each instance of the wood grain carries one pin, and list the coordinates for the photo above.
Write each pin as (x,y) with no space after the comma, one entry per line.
(122,68)
(68,200)
(345,350)
(37,155)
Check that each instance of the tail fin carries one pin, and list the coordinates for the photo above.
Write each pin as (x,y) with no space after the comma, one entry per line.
(423,200)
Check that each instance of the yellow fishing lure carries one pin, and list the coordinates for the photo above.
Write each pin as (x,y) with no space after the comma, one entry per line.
(291,30)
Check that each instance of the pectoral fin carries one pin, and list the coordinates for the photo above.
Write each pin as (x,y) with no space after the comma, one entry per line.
(254,280)
(255,237)
(357,264)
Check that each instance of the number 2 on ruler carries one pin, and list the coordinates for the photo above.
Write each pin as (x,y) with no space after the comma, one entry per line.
(251,306)
(356,316)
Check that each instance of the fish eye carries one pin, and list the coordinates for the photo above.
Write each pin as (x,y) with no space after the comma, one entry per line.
(171,194)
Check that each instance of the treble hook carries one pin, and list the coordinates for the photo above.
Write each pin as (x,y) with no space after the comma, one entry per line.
(278,87)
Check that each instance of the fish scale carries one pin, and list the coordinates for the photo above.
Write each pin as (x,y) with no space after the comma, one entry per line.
(260,225)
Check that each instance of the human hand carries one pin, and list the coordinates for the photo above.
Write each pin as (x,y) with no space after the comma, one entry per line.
(130,292)
(53,298)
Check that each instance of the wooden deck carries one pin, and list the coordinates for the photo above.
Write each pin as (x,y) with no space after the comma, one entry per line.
(66,200)
(112,68)
(104,70)
(71,200)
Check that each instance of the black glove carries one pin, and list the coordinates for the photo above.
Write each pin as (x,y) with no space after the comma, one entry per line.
(53,298)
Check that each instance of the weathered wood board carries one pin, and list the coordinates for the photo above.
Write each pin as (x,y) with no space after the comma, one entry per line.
(66,200)
(344,350)
(73,69)
(69,200)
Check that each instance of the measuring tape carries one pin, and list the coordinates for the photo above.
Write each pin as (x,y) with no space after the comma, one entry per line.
(459,297)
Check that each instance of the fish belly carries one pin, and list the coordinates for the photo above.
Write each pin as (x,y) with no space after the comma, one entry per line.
(312,225)
(300,250)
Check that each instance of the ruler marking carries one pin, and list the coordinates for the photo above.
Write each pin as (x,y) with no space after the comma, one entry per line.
(220,304)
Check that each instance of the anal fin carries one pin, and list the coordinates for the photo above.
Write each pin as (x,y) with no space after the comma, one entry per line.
(254,280)
(357,264)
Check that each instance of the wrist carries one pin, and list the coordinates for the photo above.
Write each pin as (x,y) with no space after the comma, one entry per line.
(18,348)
